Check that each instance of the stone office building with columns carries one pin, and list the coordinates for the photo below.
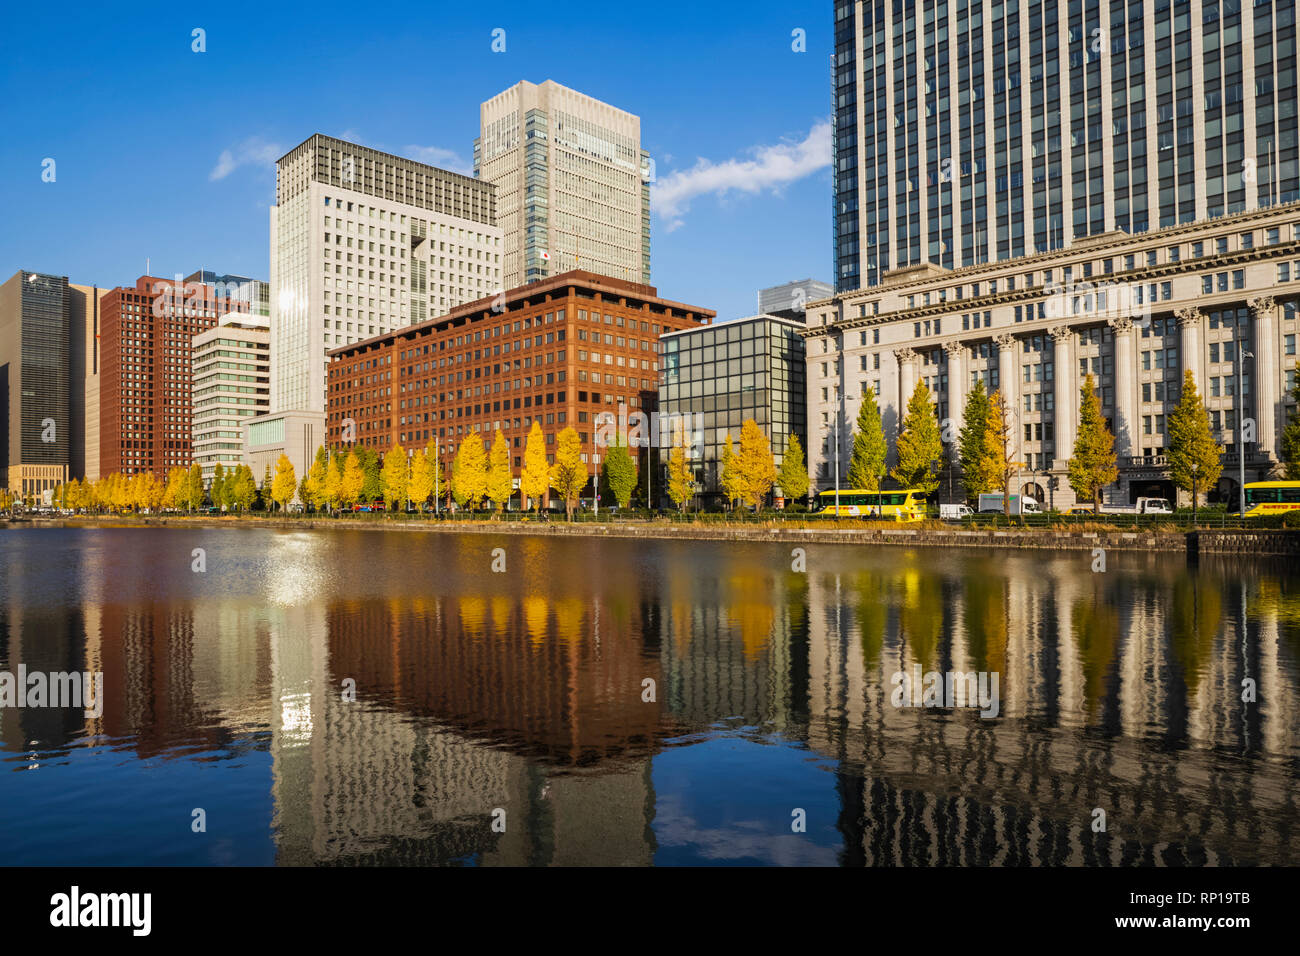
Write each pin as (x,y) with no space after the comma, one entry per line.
(1135,311)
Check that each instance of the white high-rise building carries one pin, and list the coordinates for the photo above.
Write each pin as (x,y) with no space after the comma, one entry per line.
(231,384)
(363,243)
(573,184)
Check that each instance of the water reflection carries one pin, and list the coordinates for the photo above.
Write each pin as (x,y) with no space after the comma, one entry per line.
(637,702)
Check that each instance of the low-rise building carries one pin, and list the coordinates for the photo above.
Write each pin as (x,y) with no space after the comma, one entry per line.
(1218,297)
(718,377)
(560,352)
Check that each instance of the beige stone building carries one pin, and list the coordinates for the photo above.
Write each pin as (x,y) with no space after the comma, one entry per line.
(231,384)
(1218,297)
(572,183)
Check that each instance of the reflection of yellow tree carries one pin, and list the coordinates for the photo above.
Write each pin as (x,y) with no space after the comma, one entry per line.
(501,615)
(1278,598)
(873,613)
(568,620)
(1194,619)
(920,614)
(751,610)
(535,619)
(1096,633)
(681,603)
(986,621)
(473,614)
(796,603)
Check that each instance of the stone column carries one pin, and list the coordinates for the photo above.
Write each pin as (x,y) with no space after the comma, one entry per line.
(907,359)
(1268,375)
(1009,386)
(1189,344)
(1065,398)
(956,384)
(906,377)
(1125,377)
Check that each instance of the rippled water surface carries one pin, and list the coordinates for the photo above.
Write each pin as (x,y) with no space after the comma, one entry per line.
(633,702)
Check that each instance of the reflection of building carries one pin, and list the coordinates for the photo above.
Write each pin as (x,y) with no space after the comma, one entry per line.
(448,726)
(733,371)
(1145,658)
(232,374)
(1135,312)
(572,184)
(558,352)
(980,135)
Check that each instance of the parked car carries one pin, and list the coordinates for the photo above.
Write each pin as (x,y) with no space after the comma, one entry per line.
(955,512)
(1081,510)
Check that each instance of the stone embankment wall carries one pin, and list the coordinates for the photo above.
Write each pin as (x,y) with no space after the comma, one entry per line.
(1264,542)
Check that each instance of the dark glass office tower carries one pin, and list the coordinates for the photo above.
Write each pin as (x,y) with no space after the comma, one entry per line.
(34,366)
(968,131)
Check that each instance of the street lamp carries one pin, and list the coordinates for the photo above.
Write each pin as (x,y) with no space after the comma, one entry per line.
(437,474)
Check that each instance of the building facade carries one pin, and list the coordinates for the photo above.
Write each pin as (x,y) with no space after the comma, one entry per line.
(296,435)
(231,384)
(86,313)
(722,375)
(969,132)
(790,299)
(254,293)
(573,184)
(558,352)
(363,243)
(146,352)
(49,379)
(35,380)
(1218,298)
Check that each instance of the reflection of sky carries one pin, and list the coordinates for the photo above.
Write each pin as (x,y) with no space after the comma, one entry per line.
(727,801)
(96,806)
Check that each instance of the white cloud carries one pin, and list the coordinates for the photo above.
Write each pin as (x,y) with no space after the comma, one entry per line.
(770,167)
(252,151)
(440,157)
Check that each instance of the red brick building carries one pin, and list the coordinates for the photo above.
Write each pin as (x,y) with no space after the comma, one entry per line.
(145,338)
(559,351)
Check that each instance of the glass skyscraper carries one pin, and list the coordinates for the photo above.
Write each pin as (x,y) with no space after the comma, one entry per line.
(722,375)
(969,131)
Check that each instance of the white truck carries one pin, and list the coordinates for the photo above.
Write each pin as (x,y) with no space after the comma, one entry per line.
(1019,505)
(955,512)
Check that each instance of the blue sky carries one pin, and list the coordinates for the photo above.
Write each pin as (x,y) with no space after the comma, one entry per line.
(165,153)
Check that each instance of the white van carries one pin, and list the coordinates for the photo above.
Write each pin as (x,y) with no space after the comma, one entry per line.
(1019,504)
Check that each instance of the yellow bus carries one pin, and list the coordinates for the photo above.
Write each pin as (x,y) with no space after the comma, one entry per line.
(1271,497)
(906,505)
